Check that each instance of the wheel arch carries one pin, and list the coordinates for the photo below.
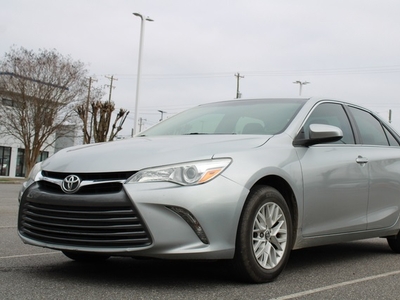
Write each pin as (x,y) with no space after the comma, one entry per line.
(284,188)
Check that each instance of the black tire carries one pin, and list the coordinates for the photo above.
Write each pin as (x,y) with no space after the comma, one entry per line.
(87,257)
(394,243)
(264,237)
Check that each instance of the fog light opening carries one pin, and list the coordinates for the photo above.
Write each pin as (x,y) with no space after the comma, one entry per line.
(192,221)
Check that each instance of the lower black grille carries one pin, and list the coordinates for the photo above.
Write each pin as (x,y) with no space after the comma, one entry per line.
(89,223)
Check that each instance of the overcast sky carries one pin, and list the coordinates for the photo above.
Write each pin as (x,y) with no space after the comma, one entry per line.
(346,49)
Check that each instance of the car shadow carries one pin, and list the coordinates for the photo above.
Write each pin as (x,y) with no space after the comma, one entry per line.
(342,251)
(125,270)
(337,256)
(166,273)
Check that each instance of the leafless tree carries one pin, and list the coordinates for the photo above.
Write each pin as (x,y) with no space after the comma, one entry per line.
(98,126)
(85,112)
(42,90)
(121,116)
(96,116)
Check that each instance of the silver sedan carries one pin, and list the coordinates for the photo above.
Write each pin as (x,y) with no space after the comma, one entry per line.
(245,180)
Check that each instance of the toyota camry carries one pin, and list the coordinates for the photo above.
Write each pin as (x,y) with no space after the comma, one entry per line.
(242,180)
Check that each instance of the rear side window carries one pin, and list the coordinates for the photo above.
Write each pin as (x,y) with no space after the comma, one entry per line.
(391,138)
(371,130)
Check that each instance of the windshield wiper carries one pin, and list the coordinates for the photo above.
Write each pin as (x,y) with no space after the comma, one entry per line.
(194,133)
(204,133)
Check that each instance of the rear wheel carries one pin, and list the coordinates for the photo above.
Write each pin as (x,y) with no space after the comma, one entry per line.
(264,236)
(85,256)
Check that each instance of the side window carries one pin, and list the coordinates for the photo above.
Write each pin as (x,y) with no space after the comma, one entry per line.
(331,114)
(371,130)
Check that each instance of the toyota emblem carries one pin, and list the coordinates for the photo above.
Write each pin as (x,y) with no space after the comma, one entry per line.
(71,184)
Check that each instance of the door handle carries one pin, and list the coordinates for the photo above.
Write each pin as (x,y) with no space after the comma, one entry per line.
(361,160)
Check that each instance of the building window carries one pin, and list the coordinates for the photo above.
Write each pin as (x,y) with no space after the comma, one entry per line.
(42,156)
(21,169)
(7,102)
(5,158)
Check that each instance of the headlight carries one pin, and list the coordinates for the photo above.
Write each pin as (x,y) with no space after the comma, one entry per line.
(31,178)
(32,174)
(190,173)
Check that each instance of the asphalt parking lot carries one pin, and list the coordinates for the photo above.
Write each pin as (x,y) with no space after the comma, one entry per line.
(357,270)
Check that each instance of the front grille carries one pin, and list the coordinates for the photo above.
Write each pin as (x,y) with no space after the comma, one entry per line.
(101,182)
(91,176)
(99,188)
(76,220)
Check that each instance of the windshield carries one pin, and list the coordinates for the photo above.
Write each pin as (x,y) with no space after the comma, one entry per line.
(264,116)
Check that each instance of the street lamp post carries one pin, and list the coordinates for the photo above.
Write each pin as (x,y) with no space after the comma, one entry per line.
(301,85)
(143,19)
(162,114)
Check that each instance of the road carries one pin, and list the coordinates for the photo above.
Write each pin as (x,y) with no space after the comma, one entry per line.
(356,270)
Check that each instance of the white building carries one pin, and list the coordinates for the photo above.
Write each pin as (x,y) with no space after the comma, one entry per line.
(12,155)
(12,151)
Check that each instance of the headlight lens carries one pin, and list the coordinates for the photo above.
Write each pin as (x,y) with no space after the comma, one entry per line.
(190,173)
(32,174)
(31,178)
(35,171)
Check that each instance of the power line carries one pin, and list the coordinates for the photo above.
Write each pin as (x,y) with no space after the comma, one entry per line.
(289,72)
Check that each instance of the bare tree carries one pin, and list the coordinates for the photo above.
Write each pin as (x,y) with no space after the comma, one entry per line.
(41,90)
(85,112)
(121,116)
(96,115)
(100,119)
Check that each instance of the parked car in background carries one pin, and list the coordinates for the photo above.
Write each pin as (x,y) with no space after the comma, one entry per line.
(245,180)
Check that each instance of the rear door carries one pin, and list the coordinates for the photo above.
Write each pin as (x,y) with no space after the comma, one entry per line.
(380,148)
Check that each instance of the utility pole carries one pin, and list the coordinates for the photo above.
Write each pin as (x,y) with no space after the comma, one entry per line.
(87,105)
(141,122)
(238,94)
(86,135)
(111,86)
(162,114)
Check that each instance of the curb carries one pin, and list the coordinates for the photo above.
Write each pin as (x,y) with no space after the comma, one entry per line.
(12,181)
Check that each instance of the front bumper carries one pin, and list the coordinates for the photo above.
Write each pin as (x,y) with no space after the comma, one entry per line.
(135,220)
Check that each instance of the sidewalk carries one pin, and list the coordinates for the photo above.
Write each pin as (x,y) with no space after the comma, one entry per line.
(9,180)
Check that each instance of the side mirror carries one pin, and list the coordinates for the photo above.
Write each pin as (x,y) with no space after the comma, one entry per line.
(318,134)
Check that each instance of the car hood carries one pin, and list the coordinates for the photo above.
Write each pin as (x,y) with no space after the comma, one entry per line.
(143,152)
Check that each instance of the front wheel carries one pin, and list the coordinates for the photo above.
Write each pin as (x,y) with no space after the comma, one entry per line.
(85,256)
(394,243)
(264,236)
